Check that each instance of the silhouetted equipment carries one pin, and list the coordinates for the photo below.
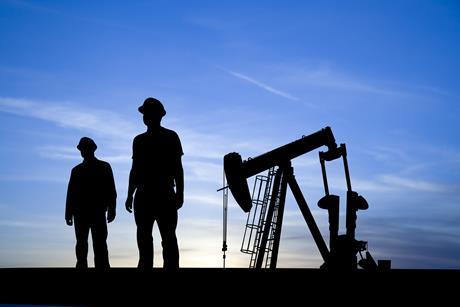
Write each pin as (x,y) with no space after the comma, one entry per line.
(343,248)
(261,196)
(264,224)
(224,220)
(237,172)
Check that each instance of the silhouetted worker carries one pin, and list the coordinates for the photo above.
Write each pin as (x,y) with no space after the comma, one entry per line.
(90,194)
(156,169)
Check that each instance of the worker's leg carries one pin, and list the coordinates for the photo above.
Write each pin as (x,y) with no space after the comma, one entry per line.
(144,221)
(167,223)
(81,247)
(99,235)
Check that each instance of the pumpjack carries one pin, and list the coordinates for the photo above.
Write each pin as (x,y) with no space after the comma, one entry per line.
(263,229)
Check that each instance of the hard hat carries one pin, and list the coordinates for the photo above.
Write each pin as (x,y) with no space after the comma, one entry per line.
(152,106)
(86,143)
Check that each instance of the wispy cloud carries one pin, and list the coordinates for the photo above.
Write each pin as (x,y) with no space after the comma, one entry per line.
(203,151)
(59,153)
(69,153)
(437,91)
(115,129)
(380,183)
(262,85)
(326,77)
(388,154)
(201,145)
(41,223)
(100,122)
(204,199)
(412,184)
(32,177)
(205,171)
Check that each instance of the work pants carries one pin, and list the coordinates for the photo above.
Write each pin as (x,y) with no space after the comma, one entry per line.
(98,226)
(145,214)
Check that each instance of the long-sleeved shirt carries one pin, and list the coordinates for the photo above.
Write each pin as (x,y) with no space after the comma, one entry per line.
(91,189)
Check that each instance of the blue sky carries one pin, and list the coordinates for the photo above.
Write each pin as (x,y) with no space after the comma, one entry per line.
(234,76)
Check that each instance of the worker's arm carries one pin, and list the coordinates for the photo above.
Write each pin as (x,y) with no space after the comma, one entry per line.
(112,197)
(179,180)
(178,173)
(69,206)
(132,181)
(131,190)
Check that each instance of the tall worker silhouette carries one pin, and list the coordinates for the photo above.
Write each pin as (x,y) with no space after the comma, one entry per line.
(157,178)
(90,194)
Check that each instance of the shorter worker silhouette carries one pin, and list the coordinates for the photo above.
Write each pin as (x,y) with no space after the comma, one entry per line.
(90,194)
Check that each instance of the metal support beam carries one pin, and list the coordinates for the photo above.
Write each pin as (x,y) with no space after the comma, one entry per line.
(303,206)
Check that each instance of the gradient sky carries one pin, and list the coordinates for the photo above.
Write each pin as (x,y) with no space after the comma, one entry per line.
(240,76)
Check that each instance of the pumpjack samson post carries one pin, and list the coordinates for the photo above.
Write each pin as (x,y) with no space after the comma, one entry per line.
(263,229)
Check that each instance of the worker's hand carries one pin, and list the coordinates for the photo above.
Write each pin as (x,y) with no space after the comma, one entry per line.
(69,221)
(179,200)
(111,215)
(129,203)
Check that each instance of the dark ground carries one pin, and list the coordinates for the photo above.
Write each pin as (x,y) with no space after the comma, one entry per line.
(220,287)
